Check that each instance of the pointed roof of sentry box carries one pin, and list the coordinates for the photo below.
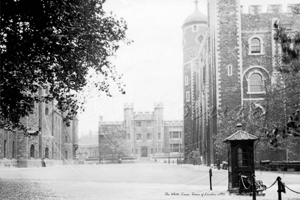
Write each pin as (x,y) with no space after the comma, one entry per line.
(240,135)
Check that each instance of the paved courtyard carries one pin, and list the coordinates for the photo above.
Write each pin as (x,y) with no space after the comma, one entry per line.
(130,181)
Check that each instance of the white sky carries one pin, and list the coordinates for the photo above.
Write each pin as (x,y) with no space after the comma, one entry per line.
(152,64)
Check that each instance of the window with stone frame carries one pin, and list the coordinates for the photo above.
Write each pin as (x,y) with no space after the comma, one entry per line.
(256,83)
(255,45)
(128,136)
(159,136)
(186,80)
(149,136)
(4,149)
(187,96)
(175,134)
(138,124)
(229,70)
(13,149)
(138,136)
(174,147)
(32,151)
(47,152)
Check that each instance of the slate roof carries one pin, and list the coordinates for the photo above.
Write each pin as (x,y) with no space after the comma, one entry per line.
(240,135)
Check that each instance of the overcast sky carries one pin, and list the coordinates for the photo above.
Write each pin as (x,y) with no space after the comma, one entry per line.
(152,64)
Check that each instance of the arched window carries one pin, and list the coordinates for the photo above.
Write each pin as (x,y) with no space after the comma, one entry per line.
(187,96)
(186,80)
(47,152)
(46,111)
(32,151)
(256,83)
(255,45)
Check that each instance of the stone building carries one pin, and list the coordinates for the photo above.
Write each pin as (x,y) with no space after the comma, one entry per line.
(229,57)
(55,141)
(149,135)
(146,134)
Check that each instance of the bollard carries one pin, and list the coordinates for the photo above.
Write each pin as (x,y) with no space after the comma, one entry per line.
(281,187)
(253,187)
(210,175)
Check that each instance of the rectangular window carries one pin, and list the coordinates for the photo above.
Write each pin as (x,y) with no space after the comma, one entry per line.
(175,134)
(151,150)
(138,124)
(4,150)
(149,136)
(136,151)
(186,80)
(66,138)
(128,136)
(138,136)
(229,68)
(149,123)
(13,149)
(187,96)
(174,147)
(159,135)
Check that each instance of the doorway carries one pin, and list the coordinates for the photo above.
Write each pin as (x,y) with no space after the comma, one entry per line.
(144,151)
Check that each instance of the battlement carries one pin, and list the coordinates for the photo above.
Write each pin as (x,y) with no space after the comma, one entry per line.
(270,8)
(111,123)
(128,105)
(143,115)
(173,123)
(158,105)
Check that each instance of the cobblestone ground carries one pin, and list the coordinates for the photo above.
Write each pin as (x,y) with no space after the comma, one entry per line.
(62,183)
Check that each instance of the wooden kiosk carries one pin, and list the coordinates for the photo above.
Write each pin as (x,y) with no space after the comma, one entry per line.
(240,158)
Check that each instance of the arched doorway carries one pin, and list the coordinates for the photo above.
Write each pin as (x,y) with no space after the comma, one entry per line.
(144,151)
(47,152)
(32,151)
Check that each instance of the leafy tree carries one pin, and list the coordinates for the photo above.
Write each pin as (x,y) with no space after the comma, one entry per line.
(113,141)
(54,45)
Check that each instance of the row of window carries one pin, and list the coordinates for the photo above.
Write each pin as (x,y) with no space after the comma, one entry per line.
(173,135)
(32,152)
(173,148)
(146,123)
(256,85)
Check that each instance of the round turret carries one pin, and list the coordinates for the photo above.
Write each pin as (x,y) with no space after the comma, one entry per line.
(195,18)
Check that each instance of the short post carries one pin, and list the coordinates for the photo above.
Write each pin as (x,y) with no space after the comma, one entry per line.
(281,187)
(210,175)
(253,187)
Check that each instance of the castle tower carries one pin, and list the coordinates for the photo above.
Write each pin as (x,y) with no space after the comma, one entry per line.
(129,125)
(226,51)
(194,37)
(158,118)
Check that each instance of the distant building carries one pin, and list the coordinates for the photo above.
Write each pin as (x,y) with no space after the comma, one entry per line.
(149,135)
(145,134)
(55,141)
(229,57)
